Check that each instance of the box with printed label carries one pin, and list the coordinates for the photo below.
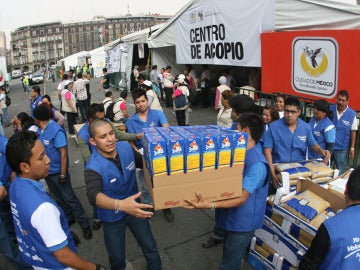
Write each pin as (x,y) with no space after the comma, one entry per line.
(155,154)
(168,191)
(335,203)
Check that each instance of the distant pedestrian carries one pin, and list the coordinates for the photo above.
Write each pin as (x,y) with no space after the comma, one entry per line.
(105,82)
(168,86)
(5,113)
(35,98)
(68,101)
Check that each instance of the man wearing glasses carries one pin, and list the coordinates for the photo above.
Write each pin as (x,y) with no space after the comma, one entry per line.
(288,138)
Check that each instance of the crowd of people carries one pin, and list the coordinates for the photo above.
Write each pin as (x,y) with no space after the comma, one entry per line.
(34,161)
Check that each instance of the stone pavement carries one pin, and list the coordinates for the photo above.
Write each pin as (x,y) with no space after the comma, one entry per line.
(179,242)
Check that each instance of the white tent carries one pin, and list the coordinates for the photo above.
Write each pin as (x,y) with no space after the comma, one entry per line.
(123,46)
(289,15)
(97,57)
(73,60)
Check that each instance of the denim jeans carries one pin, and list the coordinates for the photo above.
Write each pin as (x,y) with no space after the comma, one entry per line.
(10,250)
(6,117)
(234,249)
(65,197)
(114,235)
(144,189)
(218,233)
(340,158)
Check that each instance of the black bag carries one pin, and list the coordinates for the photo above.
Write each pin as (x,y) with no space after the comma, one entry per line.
(180,101)
(7,101)
(110,111)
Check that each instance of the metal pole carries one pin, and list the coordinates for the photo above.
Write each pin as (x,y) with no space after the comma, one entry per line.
(46,66)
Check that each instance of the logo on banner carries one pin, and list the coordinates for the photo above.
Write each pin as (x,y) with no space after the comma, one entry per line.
(314,69)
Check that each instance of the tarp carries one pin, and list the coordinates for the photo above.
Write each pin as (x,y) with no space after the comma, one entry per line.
(97,58)
(223,33)
(289,15)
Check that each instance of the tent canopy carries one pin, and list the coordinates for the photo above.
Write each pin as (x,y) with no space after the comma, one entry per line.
(289,15)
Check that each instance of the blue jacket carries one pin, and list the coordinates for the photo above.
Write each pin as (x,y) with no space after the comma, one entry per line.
(34,103)
(115,184)
(31,245)
(249,216)
(343,127)
(324,127)
(47,138)
(343,230)
(5,170)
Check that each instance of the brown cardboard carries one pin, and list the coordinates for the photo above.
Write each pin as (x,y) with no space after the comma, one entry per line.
(169,191)
(337,202)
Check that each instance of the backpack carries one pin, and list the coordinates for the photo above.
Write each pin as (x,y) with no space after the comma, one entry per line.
(110,111)
(109,114)
(7,101)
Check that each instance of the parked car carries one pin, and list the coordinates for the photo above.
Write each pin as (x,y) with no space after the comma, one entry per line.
(36,78)
(16,74)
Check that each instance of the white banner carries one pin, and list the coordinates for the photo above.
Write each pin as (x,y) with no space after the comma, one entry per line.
(224,32)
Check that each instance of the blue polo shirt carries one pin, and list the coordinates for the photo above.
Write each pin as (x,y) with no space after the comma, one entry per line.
(154,118)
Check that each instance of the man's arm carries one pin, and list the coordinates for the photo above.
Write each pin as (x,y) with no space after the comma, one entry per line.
(268,156)
(63,160)
(352,144)
(325,153)
(69,258)
(84,149)
(124,136)
(96,196)
(318,250)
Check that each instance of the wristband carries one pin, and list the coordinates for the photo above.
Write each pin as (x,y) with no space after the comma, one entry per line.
(213,206)
(352,148)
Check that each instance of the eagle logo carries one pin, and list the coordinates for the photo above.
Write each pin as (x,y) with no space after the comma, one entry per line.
(314,61)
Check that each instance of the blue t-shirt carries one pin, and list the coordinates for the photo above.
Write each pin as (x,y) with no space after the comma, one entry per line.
(154,118)
(255,177)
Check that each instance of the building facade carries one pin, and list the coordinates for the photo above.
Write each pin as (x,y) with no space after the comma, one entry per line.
(36,46)
(2,43)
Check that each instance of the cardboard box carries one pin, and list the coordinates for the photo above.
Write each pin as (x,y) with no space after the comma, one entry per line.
(169,191)
(336,203)
(259,262)
(286,246)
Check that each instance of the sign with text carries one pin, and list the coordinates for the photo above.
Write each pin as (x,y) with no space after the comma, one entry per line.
(314,66)
(223,32)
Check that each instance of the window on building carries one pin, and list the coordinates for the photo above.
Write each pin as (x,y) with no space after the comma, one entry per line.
(33,33)
(57,30)
(49,31)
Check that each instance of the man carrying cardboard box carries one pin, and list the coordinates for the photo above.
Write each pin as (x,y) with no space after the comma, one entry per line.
(240,217)
(337,243)
(111,186)
(145,118)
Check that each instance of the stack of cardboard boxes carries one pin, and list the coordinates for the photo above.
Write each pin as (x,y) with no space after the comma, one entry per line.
(179,161)
(285,236)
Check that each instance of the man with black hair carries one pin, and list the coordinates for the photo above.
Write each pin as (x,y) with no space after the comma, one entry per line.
(239,104)
(36,97)
(45,240)
(111,186)
(105,82)
(96,111)
(144,118)
(79,90)
(53,137)
(288,139)
(336,244)
(346,125)
(240,217)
